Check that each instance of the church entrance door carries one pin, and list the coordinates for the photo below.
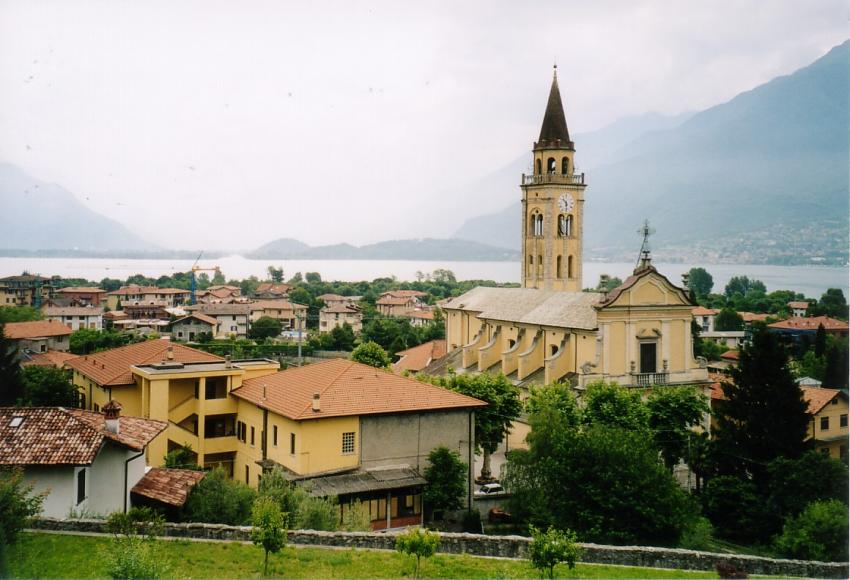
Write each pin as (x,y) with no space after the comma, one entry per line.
(647,357)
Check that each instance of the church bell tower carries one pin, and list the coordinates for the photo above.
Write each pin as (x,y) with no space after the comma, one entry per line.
(553,206)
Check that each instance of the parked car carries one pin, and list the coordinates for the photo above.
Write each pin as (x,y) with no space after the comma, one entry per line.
(491,489)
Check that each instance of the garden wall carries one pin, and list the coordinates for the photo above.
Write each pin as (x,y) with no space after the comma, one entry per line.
(502,546)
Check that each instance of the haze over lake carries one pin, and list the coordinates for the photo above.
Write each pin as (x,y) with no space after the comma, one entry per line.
(812,281)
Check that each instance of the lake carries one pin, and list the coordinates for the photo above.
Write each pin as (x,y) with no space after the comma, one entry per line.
(812,281)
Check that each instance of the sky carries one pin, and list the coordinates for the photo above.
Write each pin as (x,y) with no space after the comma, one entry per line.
(225,125)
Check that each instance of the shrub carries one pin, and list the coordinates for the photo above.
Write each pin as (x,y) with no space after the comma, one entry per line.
(446,476)
(698,535)
(318,513)
(819,533)
(132,554)
(371,353)
(357,518)
(217,499)
(17,506)
(552,547)
(417,542)
(269,527)
(736,510)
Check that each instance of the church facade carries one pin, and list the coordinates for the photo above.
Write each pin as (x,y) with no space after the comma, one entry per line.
(638,334)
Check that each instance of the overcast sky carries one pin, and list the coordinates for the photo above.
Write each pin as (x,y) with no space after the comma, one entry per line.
(229,124)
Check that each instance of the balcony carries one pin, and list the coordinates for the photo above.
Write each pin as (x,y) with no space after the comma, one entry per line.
(575,179)
(650,379)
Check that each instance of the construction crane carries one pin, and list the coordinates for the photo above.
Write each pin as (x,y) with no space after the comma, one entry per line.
(196,268)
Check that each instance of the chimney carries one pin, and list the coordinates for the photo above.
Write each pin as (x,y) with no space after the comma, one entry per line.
(317,403)
(169,352)
(228,361)
(112,414)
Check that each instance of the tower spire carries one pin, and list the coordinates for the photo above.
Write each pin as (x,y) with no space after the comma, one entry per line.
(554,132)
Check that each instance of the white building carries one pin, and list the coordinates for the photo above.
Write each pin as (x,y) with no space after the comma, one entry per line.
(76,317)
(85,462)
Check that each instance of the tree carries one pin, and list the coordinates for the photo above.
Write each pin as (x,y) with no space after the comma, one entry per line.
(371,353)
(18,504)
(812,365)
(182,458)
(493,422)
(133,553)
(19,314)
(417,542)
(819,533)
(673,413)
(218,499)
(48,387)
(608,283)
(552,408)
(11,382)
(616,406)
(342,337)
(700,282)
(795,483)
(313,278)
(728,319)
(275,274)
(835,373)
(763,415)
(269,528)
(265,327)
(820,341)
(356,517)
(736,509)
(552,547)
(446,477)
(833,303)
(743,285)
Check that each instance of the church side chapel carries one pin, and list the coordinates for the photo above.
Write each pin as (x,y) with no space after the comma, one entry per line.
(638,334)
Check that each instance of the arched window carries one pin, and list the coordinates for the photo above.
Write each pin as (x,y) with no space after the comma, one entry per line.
(538,225)
(568,226)
(553,349)
(532,225)
(559,272)
(565,165)
(511,343)
(570,267)
(550,165)
(562,225)
(539,167)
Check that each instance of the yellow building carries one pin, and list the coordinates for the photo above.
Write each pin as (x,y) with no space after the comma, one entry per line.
(638,334)
(828,428)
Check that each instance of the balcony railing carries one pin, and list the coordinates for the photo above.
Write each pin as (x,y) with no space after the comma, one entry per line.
(575,179)
(650,379)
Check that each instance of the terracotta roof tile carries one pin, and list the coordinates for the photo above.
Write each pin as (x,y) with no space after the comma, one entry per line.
(125,290)
(36,329)
(198,316)
(59,436)
(753,317)
(422,314)
(51,358)
(799,305)
(394,300)
(72,311)
(404,293)
(112,367)
(346,388)
(279,304)
(702,311)
(168,486)
(731,355)
(332,298)
(341,308)
(810,323)
(818,397)
(417,358)
(81,290)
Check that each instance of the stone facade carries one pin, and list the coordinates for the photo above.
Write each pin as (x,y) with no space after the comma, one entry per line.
(494,546)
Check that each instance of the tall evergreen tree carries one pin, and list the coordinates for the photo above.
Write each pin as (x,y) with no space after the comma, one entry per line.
(820,341)
(11,383)
(764,415)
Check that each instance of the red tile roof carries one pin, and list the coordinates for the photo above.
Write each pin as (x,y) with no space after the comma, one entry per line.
(394,300)
(421,314)
(810,323)
(168,486)
(702,311)
(273,288)
(36,329)
(51,358)
(279,304)
(417,358)
(404,293)
(731,355)
(753,317)
(198,316)
(341,308)
(346,388)
(332,298)
(82,290)
(59,436)
(112,367)
(799,305)
(818,397)
(125,290)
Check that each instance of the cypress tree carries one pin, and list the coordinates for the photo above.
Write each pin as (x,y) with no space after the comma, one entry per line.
(11,383)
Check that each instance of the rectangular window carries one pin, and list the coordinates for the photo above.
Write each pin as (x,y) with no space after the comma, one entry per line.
(292,443)
(824,423)
(348,443)
(81,486)
(247,475)
(274,435)
(834,401)
(842,421)
(252,435)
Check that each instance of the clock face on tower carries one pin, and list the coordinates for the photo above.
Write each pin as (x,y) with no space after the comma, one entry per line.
(566,202)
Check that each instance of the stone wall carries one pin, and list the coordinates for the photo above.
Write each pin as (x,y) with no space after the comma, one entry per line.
(501,546)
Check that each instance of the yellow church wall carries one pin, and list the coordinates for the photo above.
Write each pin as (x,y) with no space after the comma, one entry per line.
(531,359)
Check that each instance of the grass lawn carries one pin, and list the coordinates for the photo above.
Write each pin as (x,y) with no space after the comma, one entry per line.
(59,556)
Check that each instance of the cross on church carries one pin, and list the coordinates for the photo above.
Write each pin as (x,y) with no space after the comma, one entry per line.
(643,256)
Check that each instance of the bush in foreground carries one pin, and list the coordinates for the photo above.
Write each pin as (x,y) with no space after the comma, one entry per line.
(417,542)
(819,533)
(552,547)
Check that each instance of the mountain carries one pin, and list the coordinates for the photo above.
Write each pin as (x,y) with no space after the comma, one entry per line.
(422,249)
(44,216)
(501,228)
(762,178)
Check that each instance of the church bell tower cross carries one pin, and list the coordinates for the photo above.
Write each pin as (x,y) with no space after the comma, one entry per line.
(553,206)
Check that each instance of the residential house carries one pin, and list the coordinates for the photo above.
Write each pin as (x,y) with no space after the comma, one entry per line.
(798,308)
(417,358)
(333,299)
(76,317)
(272,290)
(339,313)
(419,317)
(85,462)
(220,294)
(147,294)
(81,295)
(705,318)
(288,313)
(141,326)
(232,320)
(727,338)
(51,358)
(141,309)
(828,429)
(39,335)
(397,302)
(352,431)
(799,328)
(25,290)
(191,327)
(750,317)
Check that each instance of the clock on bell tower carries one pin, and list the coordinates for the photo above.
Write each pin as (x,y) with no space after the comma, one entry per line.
(553,206)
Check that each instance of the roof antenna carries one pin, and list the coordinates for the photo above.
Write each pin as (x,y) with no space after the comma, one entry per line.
(644,258)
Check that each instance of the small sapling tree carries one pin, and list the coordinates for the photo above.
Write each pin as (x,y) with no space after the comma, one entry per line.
(552,547)
(269,527)
(417,542)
